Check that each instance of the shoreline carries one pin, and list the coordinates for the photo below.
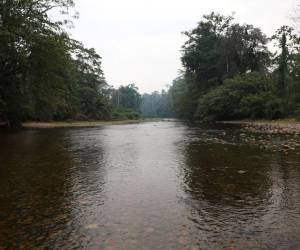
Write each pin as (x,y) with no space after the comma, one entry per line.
(75,124)
(80,124)
(283,126)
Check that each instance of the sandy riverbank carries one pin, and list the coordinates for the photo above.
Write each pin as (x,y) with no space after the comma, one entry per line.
(74,124)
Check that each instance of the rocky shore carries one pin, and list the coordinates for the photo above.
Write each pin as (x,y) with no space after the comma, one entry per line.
(287,126)
(280,135)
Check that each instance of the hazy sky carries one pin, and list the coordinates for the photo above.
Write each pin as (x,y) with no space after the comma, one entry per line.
(140,40)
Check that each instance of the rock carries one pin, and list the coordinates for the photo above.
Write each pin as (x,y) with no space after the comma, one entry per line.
(149,230)
(110,248)
(91,226)
(182,240)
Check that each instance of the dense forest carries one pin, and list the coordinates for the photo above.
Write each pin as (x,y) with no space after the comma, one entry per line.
(229,72)
(47,75)
(44,73)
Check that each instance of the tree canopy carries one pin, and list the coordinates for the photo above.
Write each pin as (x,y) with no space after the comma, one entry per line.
(44,74)
(230,72)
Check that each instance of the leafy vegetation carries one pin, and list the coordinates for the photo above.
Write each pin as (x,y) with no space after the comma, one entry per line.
(230,73)
(245,96)
(125,102)
(44,74)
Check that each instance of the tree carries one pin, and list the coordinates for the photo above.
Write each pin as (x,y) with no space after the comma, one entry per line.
(23,25)
(156,104)
(44,74)
(127,97)
(245,96)
(90,85)
(182,99)
(50,76)
(288,45)
(218,49)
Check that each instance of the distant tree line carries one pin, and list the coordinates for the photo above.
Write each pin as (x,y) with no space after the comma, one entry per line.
(156,105)
(230,73)
(126,102)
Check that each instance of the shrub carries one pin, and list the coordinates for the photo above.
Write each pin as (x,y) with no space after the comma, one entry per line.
(124,114)
(245,96)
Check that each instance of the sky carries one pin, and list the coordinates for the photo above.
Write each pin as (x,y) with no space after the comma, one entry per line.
(140,40)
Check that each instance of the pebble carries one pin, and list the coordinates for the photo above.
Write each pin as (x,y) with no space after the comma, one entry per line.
(91,226)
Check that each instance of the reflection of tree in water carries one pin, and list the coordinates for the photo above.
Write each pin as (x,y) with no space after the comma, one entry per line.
(286,185)
(241,196)
(88,182)
(227,188)
(39,172)
(225,174)
(35,183)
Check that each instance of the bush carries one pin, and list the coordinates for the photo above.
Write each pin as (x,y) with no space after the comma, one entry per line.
(245,96)
(125,114)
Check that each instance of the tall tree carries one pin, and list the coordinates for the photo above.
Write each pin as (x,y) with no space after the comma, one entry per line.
(23,25)
(127,97)
(288,44)
(218,49)
(44,74)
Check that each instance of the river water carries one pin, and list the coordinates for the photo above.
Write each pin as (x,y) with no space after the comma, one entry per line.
(153,185)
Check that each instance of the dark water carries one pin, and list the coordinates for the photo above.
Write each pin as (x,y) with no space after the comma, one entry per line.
(156,185)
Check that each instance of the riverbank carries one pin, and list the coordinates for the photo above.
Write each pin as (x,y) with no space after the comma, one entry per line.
(284,126)
(74,124)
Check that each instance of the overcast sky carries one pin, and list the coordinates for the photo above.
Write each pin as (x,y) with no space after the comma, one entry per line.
(140,40)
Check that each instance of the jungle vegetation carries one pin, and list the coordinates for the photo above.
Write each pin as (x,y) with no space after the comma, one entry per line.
(229,72)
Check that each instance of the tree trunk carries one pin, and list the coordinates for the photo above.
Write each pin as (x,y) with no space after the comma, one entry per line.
(14,124)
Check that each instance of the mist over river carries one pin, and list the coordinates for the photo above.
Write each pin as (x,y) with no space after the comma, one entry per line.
(152,185)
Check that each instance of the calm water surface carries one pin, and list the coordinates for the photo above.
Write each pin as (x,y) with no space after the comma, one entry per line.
(155,185)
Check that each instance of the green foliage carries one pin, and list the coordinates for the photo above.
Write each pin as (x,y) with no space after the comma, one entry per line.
(229,73)
(287,67)
(218,49)
(126,97)
(125,114)
(183,99)
(90,85)
(245,96)
(44,74)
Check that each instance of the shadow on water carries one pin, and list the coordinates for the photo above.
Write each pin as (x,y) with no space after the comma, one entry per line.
(46,188)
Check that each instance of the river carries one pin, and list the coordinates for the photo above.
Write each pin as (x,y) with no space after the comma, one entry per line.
(152,185)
